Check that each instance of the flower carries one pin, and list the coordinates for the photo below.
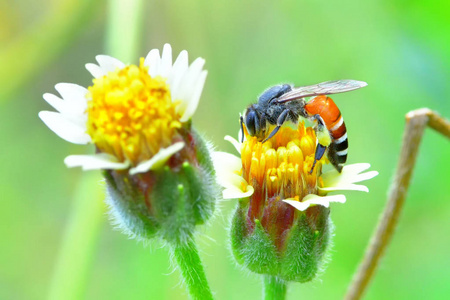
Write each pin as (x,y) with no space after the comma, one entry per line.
(132,114)
(282,226)
(158,170)
(281,166)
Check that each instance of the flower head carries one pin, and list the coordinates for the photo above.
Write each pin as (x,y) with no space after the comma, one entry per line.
(132,114)
(138,117)
(281,168)
(283,210)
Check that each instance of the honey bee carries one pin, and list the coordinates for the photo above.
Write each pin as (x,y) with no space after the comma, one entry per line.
(282,103)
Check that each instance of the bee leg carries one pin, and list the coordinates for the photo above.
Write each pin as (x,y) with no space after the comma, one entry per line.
(320,151)
(272,134)
(323,139)
(280,121)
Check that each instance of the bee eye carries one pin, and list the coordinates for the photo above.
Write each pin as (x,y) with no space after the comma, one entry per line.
(252,122)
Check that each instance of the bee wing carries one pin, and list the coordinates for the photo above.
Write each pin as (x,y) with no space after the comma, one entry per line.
(324,88)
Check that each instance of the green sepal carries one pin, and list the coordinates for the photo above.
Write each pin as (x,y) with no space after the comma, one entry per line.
(255,251)
(238,234)
(169,202)
(299,263)
(304,251)
(306,245)
(259,253)
(127,206)
(185,202)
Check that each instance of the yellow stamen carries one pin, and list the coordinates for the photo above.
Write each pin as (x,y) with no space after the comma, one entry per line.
(281,165)
(130,114)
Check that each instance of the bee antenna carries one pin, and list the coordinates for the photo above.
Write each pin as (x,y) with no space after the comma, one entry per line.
(242,129)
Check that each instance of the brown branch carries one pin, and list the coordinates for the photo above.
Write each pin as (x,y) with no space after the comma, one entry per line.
(416,121)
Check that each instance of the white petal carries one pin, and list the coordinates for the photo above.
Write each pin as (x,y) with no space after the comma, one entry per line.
(56,102)
(65,128)
(356,168)
(230,180)
(348,187)
(225,163)
(235,193)
(335,181)
(75,97)
(227,168)
(311,200)
(233,141)
(95,70)
(153,61)
(158,159)
(108,63)
(188,82)
(366,176)
(69,111)
(95,162)
(194,98)
(166,61)
(301,206)
(179,68)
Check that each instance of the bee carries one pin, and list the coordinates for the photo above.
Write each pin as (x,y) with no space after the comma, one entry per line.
(282,103)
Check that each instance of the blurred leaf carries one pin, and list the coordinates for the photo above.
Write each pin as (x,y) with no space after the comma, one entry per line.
(33,49)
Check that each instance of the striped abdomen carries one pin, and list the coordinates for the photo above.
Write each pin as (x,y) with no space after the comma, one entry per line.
(334,122)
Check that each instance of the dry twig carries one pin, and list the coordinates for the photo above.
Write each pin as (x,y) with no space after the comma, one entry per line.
(416,121)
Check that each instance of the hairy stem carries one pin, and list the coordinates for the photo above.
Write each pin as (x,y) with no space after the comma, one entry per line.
(190,265)
(274,288)
(416,121)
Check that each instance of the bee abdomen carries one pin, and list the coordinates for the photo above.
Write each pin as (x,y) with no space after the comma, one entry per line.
(339,147)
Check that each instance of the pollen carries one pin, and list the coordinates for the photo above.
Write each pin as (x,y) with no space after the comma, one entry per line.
(281,166)
(130,114)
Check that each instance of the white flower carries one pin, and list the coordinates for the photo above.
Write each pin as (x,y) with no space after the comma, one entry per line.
(70,121)
(312,199)
(335,181)
(229,169)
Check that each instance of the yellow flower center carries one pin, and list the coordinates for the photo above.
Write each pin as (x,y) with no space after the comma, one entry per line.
(130,114)
(281,166)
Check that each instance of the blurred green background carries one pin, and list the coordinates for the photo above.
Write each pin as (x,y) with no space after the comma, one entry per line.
(401,48)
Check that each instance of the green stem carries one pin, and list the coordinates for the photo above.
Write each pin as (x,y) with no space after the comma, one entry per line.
(124,27)
(274,288)
(79,243)
(191,268)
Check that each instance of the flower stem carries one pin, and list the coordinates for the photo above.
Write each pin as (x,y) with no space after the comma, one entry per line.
(124,26)
(191,268)
(416,121)
(274,288)
(79,243)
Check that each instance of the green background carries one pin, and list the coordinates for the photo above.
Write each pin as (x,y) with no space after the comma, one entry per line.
(401,48)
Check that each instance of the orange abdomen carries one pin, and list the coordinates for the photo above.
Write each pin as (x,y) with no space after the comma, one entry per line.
(327,109)
(334,122)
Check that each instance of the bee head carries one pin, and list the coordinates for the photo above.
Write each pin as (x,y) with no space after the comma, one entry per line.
(252,122)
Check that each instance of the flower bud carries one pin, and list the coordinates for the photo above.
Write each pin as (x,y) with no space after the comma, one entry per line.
(281,226)
(286,243)
(168,202)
